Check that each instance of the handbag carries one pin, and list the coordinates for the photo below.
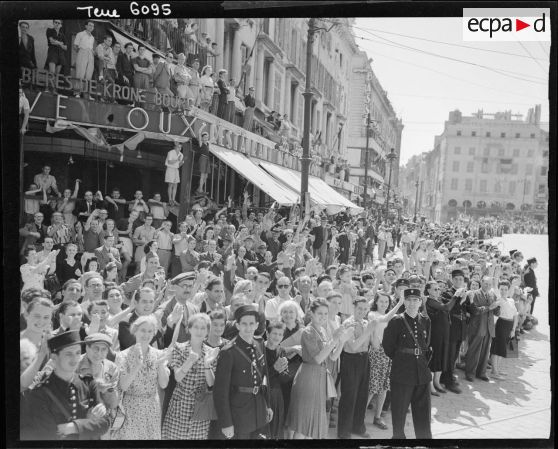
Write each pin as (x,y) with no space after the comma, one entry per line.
(204,408)
(51,283)
(512,348)
(331,392)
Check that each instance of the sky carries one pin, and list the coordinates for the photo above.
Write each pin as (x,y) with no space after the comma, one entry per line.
(423,88)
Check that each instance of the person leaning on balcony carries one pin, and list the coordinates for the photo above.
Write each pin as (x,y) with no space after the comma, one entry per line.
(182,76)
(83,45)
(162,74)
(125,65)
(143,69)
(194,84)
(231,106)
(250,103)
(206,88)
(223,93)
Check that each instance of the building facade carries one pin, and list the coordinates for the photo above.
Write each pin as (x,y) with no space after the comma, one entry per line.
(484,164)
(368,97)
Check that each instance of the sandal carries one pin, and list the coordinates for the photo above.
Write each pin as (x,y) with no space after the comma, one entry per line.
(378,422)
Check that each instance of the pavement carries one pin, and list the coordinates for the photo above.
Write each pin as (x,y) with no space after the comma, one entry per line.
(517,407)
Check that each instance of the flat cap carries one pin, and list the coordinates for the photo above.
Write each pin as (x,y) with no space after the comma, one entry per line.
(455,273)
(98,337)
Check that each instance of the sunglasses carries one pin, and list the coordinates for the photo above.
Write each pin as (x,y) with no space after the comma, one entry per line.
(283,286)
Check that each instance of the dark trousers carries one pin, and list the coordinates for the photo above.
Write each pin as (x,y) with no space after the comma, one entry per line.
(478,352)
(354,374)
(419,397)
(258,434)
(532,306)
(447,376)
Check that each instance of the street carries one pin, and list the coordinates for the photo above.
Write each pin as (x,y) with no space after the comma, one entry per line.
(518,407)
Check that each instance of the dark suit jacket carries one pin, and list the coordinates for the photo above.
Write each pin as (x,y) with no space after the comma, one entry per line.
(27,53)
(125,67)
(223,90)
(249,101)
(407,368)
(81,206)
(530,280)
(481,321)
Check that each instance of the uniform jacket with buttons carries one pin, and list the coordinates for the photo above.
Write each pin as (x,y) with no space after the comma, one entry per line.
(408,369)
(245,411)
(458,326)
(40,416)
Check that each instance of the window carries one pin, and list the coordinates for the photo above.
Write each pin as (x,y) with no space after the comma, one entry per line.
(485,168)
(542,189)
(472,151)
(516,152)
(486,152)
(512,187)
(267,67)
(454,183)
(488,134)
(483,185)
(458,133)
(470,167)
(527,189)
(532,135)
(455,166)
(501,151)
(277,92)
(543,171)
(474,133)
(457,150)
(497,187)
(502,135)
(517,135)
(294,42)
(545,153)
(530,153)
(266,26)
(529,169)
(468,184)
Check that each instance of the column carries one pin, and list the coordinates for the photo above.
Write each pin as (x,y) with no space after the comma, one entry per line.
(227,54)
(287,96)
(236,56)
(186,181)
(259,73)
(271,83)
(220,39)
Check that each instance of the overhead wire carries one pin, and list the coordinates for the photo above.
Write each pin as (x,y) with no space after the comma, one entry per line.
(532,57)
(508,73)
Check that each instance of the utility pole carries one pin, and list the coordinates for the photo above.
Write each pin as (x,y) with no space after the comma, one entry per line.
(305,161)
(391,156)
(416,200)
(366,161)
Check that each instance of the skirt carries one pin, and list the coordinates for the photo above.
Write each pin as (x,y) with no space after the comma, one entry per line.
(502,332)
(307,412)
(278,407)
(380,368)
(204,165)
(172,175)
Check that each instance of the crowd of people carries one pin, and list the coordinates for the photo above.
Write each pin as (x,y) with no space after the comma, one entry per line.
(238,322)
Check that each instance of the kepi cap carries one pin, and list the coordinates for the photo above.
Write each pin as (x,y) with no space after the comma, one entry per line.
(246,310)
(189,275)
(411,292)
(64,340)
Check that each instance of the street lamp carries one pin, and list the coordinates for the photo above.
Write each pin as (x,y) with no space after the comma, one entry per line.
(416,201)
(391,157)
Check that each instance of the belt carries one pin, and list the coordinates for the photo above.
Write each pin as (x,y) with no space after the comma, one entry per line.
(356,353)
(505,319)
(249,390)
(415,351)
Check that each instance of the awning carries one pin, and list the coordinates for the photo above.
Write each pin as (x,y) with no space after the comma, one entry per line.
(244,166)
(320,192)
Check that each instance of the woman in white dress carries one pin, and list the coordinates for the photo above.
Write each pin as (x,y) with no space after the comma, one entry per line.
(174,161)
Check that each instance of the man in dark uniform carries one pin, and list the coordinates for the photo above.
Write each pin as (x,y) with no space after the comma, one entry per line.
(405,342)
(458,328)
(530,280)
(63,406)
(240,391)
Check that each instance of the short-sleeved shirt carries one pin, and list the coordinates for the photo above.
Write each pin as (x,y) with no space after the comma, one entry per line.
(84,40)
(360,327)
(272,308)
(508,309)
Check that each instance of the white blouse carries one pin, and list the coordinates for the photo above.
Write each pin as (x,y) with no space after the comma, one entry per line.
(508,310)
